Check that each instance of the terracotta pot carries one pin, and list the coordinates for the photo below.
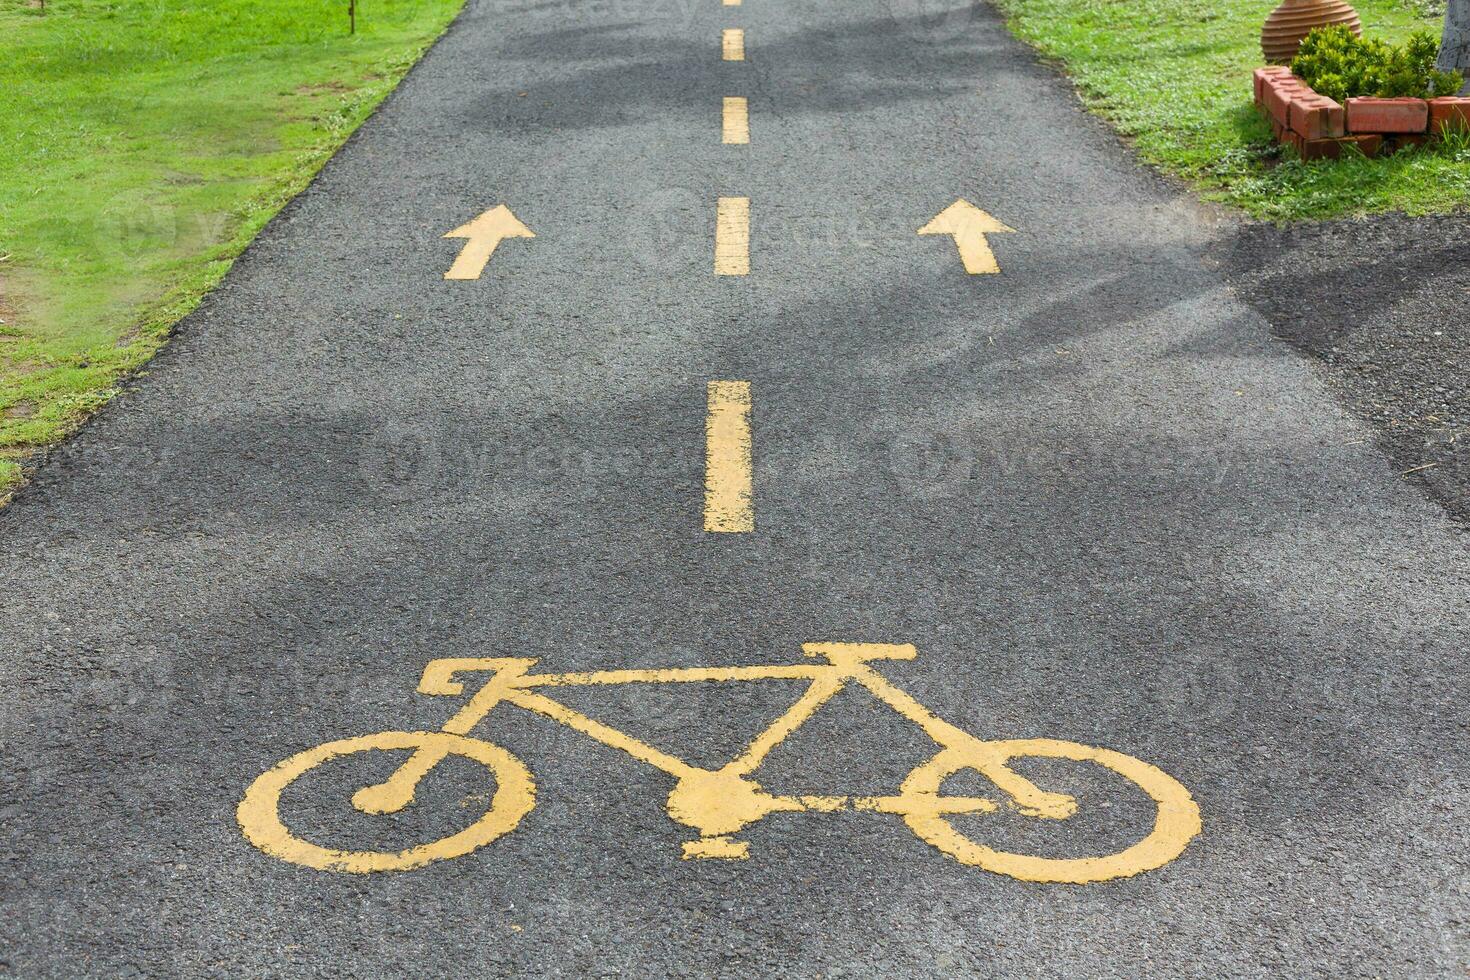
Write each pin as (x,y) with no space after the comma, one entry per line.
(1295,19)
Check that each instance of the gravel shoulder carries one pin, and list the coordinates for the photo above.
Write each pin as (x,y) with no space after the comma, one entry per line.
(1383,306)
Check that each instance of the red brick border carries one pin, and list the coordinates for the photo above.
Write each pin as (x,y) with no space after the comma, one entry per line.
(1387,115)
(1320,128)
(1448,112)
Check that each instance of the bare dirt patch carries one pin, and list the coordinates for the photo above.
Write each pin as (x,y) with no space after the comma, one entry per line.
(320,88)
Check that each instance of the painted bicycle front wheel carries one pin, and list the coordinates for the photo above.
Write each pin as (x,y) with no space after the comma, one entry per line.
(1175,825)
(260,819)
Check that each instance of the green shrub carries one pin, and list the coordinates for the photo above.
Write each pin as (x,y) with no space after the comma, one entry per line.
(1339,64)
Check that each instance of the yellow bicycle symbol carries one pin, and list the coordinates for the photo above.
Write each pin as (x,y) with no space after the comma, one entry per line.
(720,802)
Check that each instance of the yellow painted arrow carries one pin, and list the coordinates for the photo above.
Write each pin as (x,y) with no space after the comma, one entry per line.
(484,233)
(969,226)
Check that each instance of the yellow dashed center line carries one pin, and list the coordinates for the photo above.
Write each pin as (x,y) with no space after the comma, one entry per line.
(727,473)
(736,128)
(732,44)
(732,237)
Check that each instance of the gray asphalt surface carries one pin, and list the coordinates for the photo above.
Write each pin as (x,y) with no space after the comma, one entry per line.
(1105,504)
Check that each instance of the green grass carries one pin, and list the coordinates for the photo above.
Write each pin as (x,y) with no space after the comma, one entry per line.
(145,142)
(1174,76)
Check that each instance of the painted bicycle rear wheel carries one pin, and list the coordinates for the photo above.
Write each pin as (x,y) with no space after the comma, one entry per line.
(260,819)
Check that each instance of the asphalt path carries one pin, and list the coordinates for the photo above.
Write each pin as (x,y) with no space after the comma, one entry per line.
(1096,495)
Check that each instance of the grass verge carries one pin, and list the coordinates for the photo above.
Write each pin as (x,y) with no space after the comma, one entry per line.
(147,141)
(1175,79)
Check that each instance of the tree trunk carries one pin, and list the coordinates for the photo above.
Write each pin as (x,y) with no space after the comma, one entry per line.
(1454,51)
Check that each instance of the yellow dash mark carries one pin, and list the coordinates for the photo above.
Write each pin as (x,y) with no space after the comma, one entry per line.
(727,476)
(737,121)
(733,44)
(732,237)
(732,3)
